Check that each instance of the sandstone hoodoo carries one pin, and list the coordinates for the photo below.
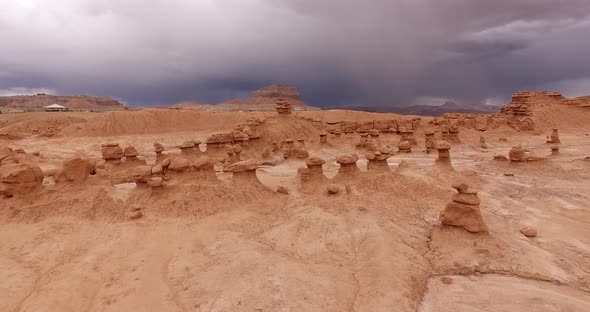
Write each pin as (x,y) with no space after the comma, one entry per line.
(142,175)
(463,210)
(482,141)
(131,154)
(348,168)
(218,141)
(187,150)
(444,154)
(204,169)
(323,138)
(17,179)
(313,175)
(158,149)
(553,138)
(283,107)
(404,147)
(378,160)
(245,172)
(112,152)
(451,134)
(555,149)
(429,142)
(291,150)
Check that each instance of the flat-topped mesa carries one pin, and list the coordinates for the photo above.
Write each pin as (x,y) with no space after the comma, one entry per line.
(76,170)
(19,179)
(245,172)
(429,141)
(463,211)
(218,141)
(378,160)
(283,107)
(404,147)
(553,138)
(112,153)
(516,154)
(348,168)
(323,138)
(519,106)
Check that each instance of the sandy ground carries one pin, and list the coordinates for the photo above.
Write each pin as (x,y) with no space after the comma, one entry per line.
(379,248)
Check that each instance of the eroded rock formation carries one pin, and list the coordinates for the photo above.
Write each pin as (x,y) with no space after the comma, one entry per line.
(463,210)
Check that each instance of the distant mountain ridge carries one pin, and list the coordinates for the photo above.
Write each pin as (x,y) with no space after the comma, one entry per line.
(429,110)
(73,102)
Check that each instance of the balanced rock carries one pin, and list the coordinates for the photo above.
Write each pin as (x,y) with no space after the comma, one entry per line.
(463,211)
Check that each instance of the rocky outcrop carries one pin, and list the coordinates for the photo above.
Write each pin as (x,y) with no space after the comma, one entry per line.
(463,211)
(75,170)
(553,138)
(16,179)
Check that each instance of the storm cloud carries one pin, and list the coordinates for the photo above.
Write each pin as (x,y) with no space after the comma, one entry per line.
(337,52)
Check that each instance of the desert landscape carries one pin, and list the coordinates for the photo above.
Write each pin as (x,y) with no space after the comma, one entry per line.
(179,209)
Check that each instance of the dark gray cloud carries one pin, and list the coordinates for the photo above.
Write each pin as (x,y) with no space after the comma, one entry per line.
(338,52)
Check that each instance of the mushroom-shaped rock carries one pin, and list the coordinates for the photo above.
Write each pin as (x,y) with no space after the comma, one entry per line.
(313,174)
(19,179)
(158,148)
(347,159)
(314,161)
(443,148)
(404,147)
(76,170)
(463,211)
(516,154)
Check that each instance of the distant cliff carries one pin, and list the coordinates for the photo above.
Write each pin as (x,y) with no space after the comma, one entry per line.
(41,100)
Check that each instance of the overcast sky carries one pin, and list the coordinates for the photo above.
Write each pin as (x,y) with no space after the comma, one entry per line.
(337,52)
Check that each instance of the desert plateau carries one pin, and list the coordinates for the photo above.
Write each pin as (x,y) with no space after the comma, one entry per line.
(308,210)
